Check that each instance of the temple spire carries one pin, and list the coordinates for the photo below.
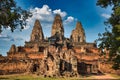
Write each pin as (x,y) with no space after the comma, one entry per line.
(37,33)
(78,34)
(57,27)
(79,25)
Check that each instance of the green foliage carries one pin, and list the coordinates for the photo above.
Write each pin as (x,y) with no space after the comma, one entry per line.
(111,38)
(11,15)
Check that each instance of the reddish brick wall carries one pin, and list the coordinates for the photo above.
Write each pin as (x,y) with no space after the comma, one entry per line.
(36,56)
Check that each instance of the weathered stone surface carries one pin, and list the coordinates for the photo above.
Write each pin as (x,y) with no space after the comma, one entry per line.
(12,49)
(78,34)
(74,63)
(13,67)
(37,33)
(57,27)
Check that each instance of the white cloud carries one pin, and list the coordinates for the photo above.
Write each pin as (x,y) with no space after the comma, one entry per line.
(43,13)
(105,15)
(45,10)
(46,16)
(69,19)
(58,11)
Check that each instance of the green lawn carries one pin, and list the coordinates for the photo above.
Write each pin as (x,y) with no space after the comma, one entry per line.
(33,77)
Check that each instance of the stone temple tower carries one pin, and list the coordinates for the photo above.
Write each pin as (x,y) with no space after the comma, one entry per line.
(78,34)
(57,27)
(37,33)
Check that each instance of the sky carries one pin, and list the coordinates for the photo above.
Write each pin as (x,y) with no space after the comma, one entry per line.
(91,16)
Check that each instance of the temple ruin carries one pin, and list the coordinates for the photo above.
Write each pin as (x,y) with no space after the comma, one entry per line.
(54,56)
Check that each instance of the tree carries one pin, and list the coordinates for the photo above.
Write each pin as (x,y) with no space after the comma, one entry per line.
(11,15)
(111,38)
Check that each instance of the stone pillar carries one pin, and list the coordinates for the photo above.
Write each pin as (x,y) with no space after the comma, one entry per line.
(57,67)
(92,69)
(45,53)
(74,64)
(88,69)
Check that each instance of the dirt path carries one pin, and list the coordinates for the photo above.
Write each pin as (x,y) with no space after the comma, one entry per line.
(106,76)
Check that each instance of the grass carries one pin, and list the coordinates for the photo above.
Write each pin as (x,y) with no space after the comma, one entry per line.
(116,76)
(34,77)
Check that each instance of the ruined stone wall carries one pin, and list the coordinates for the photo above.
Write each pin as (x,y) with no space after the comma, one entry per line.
(93,50)
(13,67)
(17,55)
(106,67)
(80,50)
(86,50)
(23,55)
(35,55)
(29,50)
(88,45)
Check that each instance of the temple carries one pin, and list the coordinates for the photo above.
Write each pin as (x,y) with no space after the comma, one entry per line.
(54,56)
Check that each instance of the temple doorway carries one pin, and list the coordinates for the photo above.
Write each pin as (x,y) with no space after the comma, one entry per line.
(35,67)
(82,68)
(41,49)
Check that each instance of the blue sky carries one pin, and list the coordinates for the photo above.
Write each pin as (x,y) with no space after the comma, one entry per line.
(91,16)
